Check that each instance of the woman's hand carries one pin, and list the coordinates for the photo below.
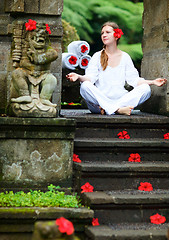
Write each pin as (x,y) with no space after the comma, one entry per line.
(159,82)
(73,77)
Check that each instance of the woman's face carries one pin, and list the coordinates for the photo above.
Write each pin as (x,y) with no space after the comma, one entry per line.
(107,35)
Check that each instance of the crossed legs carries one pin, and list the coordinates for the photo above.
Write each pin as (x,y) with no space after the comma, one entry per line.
(97,101)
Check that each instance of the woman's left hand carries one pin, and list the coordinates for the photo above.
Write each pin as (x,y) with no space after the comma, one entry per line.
(160,81)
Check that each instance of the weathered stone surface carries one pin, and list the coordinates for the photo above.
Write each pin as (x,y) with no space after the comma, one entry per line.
(132,232)
(18,223)
(47,230)
(36,151)
(156,53)
(52,7)
(14,6)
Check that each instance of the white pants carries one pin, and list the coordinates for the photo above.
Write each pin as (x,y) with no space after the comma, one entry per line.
(95,98)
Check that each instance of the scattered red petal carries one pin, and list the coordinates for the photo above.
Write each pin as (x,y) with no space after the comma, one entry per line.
(95,222)
(134,157)
(145,186)
(65,226)
(76,158)
(87,188)
(123,135)
(157,219)
(166,136)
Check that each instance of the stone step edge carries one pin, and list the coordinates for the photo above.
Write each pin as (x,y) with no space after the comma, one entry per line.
(113,142)
(103,198)
(124,167)
(104,232)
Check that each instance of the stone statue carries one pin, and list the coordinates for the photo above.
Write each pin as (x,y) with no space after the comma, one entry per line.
(32,83)
(48,230)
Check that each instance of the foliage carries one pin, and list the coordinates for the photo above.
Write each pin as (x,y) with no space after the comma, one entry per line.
(88,19)
(69,35)
(52,198)
(78,15)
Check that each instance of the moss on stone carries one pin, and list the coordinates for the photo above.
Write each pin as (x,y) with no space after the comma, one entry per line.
(69,35)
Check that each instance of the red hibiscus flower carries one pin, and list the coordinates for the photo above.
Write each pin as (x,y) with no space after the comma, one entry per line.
(157,219)
(65,226)
(134,157)
(95,222)
(84,48)
(118,32)
(30,25)
(166,136)
(123,135)
(48,28)
(87,188)
(84,62)
(145,186)
(76,158)
(73,60)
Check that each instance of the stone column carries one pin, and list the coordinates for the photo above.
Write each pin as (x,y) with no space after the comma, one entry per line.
(156,53)
(43,11)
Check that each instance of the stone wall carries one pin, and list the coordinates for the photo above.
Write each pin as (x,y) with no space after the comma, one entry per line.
(156,52)
(46,11)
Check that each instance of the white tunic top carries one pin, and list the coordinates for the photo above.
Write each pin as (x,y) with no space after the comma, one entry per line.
(111,81)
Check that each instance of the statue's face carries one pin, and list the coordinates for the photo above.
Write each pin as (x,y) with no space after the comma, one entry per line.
(38,38)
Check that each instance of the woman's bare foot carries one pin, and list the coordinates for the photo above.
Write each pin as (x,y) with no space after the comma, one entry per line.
(125,110)
(102,111)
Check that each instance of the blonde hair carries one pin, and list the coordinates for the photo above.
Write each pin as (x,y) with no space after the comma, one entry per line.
(104,57)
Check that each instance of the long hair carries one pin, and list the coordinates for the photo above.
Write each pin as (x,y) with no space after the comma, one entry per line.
(104,57)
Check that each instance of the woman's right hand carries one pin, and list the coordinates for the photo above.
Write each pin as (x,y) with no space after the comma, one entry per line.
(73,77)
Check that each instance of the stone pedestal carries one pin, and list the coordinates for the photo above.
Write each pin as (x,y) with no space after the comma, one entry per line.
(155,53)
(35,152)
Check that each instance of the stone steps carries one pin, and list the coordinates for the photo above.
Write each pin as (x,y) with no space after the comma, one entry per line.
(110,149)
(119,176)
(117,207)
(127,232)
(122,210)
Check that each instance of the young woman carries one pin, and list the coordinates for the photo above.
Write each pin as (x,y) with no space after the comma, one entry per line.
(102,86)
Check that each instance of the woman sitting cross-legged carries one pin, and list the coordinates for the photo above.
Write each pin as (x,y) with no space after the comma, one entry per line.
(102,86)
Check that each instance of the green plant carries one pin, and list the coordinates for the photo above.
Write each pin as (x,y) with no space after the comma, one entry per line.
(51,198)
(69,35)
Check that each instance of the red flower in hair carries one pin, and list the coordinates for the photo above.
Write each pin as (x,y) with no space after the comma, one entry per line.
(157,219)
(134,157)
(145,186)
(87,188)
(65,226)
(84,62)
(117,32)
(166,136)
(76,158)
(48,28)
(123,135)
(84,48)
(95,222)
(72,60)
(30,25)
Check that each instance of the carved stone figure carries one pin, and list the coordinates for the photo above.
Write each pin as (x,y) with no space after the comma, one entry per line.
(32,83)
(49,231)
